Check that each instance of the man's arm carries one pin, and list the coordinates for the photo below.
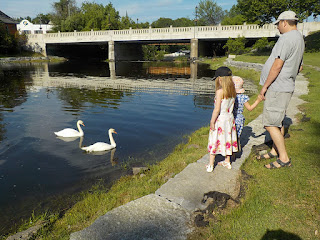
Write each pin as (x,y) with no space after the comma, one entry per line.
(273,73)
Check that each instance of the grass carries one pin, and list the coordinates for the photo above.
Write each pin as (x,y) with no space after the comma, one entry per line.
(285,201)
(281,203)
(308,59)
(253,59)
(312,59)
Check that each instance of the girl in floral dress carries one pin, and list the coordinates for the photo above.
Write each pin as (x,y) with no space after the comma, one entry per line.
(223,135)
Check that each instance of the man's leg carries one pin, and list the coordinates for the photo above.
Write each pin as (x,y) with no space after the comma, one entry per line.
(278,140)
(274,150)
(274,111)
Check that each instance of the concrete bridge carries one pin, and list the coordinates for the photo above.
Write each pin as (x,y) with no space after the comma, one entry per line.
(125,44)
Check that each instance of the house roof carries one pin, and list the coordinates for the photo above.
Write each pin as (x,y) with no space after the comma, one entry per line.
(6,19)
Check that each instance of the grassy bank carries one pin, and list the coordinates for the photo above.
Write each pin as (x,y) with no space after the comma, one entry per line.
(284,199)
(281,203)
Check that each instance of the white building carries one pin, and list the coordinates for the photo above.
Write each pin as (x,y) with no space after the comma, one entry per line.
(29,28)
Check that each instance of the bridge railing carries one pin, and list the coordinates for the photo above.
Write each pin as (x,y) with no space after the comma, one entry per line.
(219,31)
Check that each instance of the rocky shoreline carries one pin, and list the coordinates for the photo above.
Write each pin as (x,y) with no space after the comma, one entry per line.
(31,59)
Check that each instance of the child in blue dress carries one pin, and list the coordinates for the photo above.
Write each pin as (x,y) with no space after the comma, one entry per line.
(241,101)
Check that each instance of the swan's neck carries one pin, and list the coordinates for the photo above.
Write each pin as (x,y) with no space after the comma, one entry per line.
(112,142)
(79,128)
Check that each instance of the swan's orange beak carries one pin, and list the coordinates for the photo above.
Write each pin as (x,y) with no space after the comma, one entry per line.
(115,132)
(83,124)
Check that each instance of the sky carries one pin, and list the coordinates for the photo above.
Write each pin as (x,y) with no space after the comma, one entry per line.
(143,10)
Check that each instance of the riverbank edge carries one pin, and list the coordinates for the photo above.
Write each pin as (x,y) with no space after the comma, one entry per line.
(32,59)
(201,132)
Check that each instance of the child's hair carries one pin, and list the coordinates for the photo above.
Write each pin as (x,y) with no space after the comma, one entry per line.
(227,86)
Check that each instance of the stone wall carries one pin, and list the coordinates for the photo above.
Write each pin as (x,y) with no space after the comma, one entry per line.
(257,66)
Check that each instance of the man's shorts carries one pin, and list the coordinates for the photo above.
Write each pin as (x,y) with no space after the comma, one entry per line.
(275,106)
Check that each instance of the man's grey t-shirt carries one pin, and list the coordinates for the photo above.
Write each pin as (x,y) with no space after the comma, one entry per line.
(289,48)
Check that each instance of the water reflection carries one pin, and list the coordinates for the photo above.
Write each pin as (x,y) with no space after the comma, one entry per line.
(193,70)
(71,139)
(132,70)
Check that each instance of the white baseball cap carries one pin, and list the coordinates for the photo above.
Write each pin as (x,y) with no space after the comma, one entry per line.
(287,15)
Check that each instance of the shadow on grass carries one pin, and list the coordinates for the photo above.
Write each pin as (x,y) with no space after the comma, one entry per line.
(279,235)
(312,135)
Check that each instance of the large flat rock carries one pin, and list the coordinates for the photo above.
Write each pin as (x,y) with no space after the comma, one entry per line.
(149,217)
(188,187)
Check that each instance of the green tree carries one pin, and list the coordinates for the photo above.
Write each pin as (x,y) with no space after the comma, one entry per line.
(74,22)
(153,52)
(94,16)
(89,16)
(313,42)
(165,48)
(112,20)
(265,11)
(42,18)
(10,43)
(183,22)
(143,25)
(126,22)
(149,52)
(235,46)
(233,17)
(263,45)
(162,23)
(19,19)
(209,12)
(62,10)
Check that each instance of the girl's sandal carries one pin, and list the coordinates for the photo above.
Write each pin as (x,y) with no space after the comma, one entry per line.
(209,168)
(225,164)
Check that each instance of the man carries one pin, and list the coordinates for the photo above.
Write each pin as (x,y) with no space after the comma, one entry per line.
(278,80)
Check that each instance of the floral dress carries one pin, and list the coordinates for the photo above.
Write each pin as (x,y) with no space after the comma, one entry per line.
(240,100)
(223,140)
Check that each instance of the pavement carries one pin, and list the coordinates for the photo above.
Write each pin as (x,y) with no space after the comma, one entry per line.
(166,214)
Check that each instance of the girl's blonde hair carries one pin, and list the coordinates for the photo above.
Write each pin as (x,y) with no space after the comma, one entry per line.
(227,86)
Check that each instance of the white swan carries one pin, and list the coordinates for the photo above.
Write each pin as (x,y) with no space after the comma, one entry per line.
(69,132)
(101,146)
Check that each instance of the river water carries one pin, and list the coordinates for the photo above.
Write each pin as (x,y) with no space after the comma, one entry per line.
(152,106)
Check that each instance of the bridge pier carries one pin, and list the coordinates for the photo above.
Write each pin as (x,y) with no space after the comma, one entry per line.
(37,46)
(112,69)
(111,51)
(194,48)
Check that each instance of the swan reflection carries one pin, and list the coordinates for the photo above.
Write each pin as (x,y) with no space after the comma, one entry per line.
(112,158)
